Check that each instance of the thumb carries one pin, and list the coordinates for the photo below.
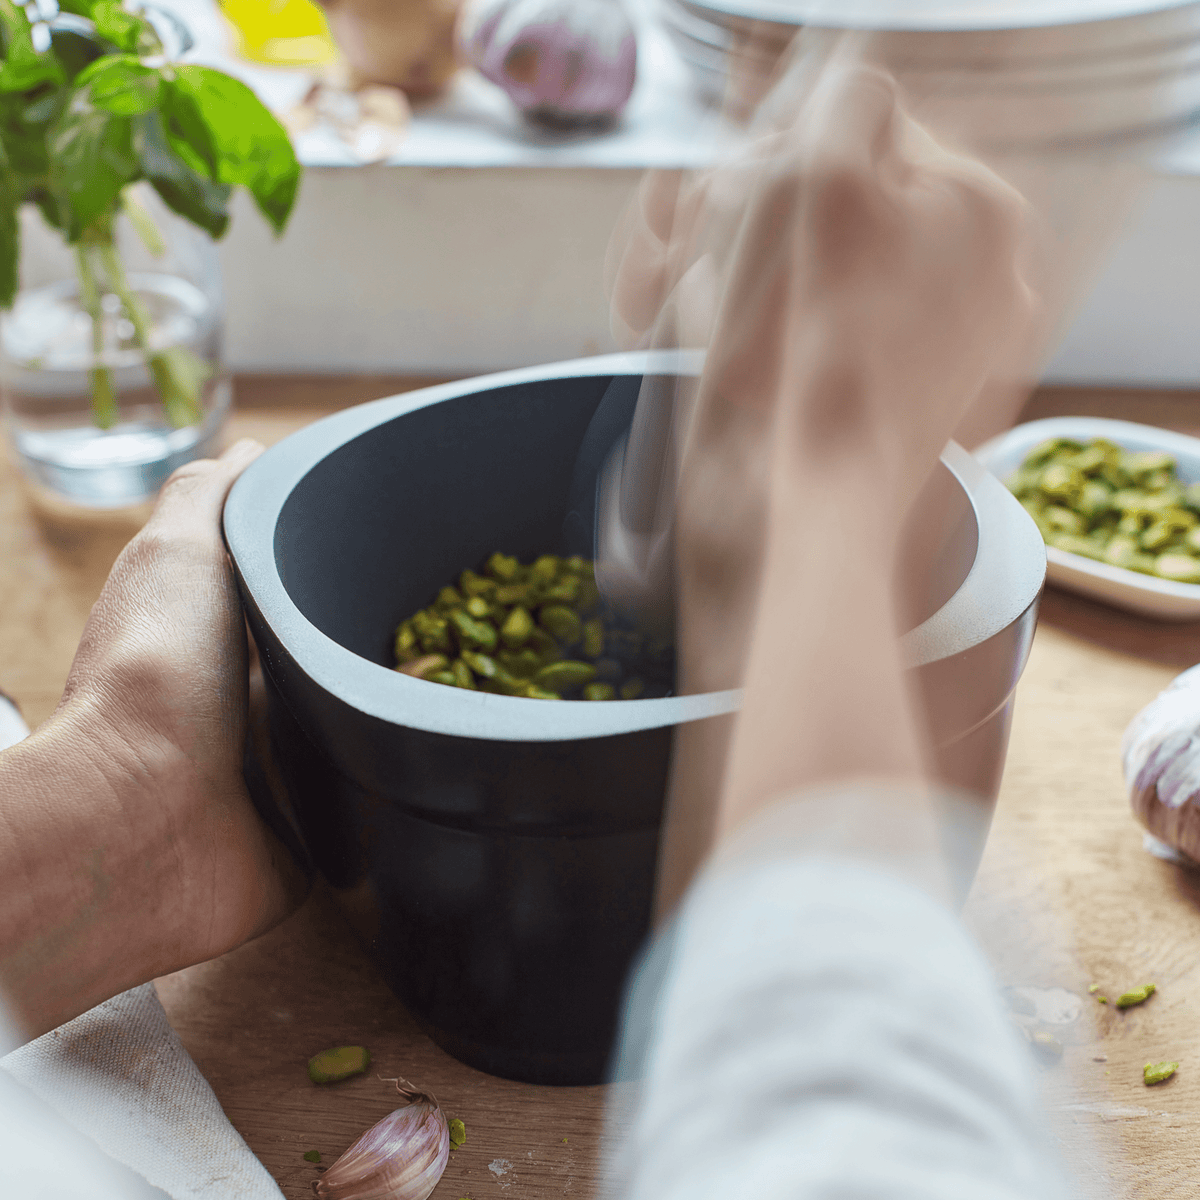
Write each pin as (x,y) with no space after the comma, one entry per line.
(192,499)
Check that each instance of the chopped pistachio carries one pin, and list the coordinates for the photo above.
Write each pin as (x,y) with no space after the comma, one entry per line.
(1136,996)
(1158,1072)
(502,567)
(1093,988)
(332,1066)
(458,1133)
(312,1156)
(423,667)
(516,629)
(562,622)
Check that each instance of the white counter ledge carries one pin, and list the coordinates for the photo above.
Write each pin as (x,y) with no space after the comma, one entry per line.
(480,244)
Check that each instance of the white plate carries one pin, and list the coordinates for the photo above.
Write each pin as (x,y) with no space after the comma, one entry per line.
(1161,598)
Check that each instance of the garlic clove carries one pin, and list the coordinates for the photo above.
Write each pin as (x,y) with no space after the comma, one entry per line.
(400,1158)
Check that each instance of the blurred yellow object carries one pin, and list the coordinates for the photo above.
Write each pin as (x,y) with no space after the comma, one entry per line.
(283,33)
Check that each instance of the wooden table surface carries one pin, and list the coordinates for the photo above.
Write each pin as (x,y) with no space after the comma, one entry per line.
(1066,896)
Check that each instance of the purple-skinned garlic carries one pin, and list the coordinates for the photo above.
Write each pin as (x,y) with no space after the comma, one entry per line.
(1161,756)
(565,60)
(400,1158)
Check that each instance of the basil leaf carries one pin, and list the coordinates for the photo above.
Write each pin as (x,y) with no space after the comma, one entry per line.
(24,138)
(48,206)
(91,160)
(9,233)
(228,129)
(75,50)
(121,84)
(188,192)
(114,24)
(23,67)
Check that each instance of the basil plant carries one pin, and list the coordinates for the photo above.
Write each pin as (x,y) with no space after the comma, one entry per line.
(89,106)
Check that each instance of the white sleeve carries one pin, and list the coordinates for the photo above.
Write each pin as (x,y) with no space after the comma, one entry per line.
(817,1029)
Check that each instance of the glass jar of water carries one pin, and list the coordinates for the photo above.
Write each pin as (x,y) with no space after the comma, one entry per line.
(110,371)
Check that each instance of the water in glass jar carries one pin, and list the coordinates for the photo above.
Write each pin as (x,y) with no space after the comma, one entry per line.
(46,356)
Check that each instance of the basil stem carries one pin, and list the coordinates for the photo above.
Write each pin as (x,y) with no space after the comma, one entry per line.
(178,374)
(104,395)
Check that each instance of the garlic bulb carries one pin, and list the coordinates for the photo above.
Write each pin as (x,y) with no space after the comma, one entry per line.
(561,59)
(400,1158)
(1161,756)
(407,44)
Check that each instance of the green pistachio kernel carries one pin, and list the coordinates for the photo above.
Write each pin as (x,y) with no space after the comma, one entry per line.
(564,624)
(432,631)
(1095,499)
(1073,544)
(565,591)
(531,691)
(1182,568)
(446,677)
(565,676)
(1136,996)
(332,1066)
(593,638)
(1121,551)
(476,585)
(473,634)
(1062,482)
(1145,461)
(406,647)
(1158,1072)
(482,664)
(632,689)
(544,646)
(462,675)
(312,1156)
(577,565)
(478,607)
(589,595)
(517,627)
(458,1133)
(1063,519)
(502,567)
(599,691)
(447,599)
(544,569)
(512,593)
(421,668)
(521,664)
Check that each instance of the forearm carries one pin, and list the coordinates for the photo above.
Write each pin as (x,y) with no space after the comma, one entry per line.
(827,697)
(87,908)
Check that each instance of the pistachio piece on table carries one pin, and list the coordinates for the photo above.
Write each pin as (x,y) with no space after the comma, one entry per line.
(1153,1073)
(332,1066)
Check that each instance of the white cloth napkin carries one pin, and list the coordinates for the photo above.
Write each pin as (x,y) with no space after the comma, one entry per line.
(119,1077)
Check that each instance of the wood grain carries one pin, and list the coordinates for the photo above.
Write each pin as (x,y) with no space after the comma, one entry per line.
(1066,895)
